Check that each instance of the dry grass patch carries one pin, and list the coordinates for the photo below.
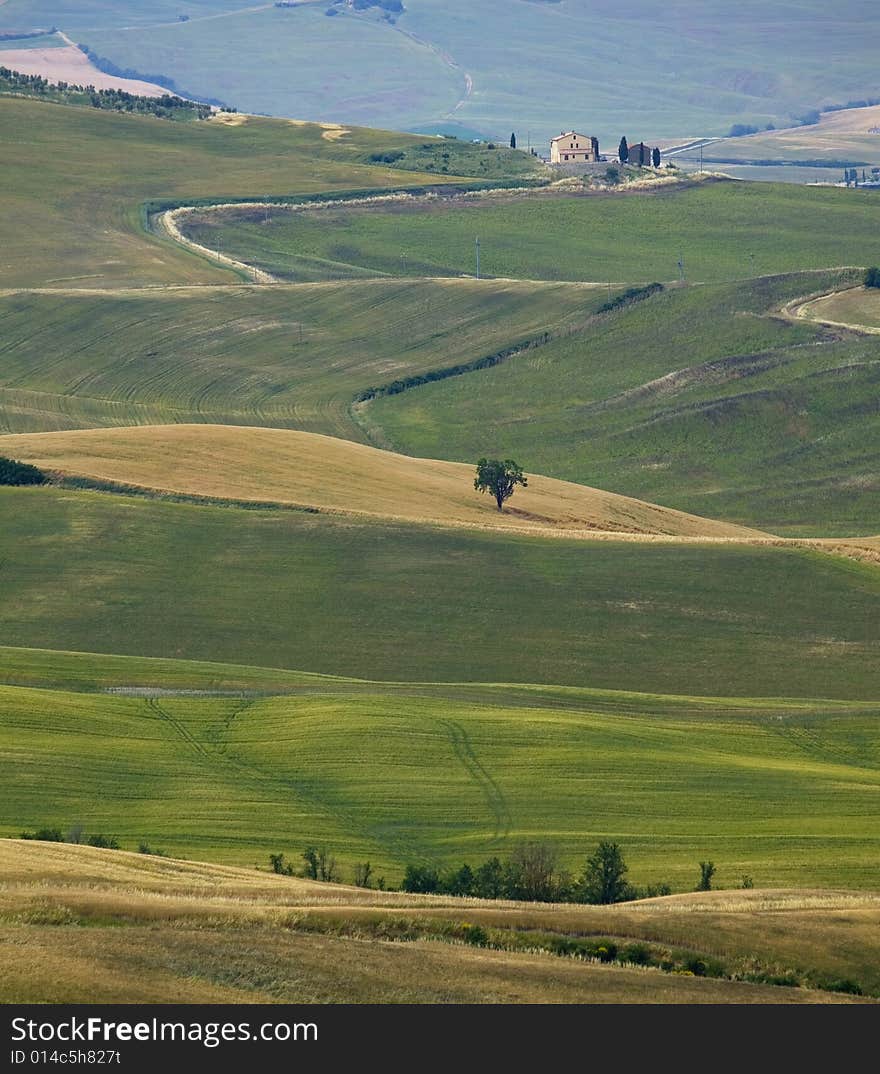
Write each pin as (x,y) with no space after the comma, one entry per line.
(151,930)
(69,64)
(856,307)
(307,469)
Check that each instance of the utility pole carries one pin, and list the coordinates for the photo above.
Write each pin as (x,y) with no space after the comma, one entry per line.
(478,257)
(681,268)
(701,158)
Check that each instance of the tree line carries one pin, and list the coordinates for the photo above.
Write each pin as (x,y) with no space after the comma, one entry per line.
(168,106)
(77,836)
(532,874)
(13,472)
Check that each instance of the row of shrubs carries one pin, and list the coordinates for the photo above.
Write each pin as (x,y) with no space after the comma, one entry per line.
(78,837)
(168,106)
(532,874)
(629,296)
(19,473)
(405,383)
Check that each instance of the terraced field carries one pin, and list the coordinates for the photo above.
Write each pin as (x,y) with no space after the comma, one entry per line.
(285,940)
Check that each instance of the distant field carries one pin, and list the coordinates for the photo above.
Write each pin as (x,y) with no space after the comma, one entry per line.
(9,47)
(75,180)
(701,399)
(254,356)
(723,231)
(782,792)
(105,573)
(232,938)
(848,135)
(700,69)
(69,64)
(286,467)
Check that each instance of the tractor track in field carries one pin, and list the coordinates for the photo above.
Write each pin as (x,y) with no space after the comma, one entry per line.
(495,800)
(177,727)
(218,755)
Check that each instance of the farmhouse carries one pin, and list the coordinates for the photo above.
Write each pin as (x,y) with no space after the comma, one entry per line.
(641,154)
(573,148)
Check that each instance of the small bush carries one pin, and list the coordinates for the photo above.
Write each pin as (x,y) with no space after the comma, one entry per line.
(475,935)
(846,985)
(145,848)
(45,835)
(872,277)
(280,866)
(389,157)
(103,841)
(637,954)
(19,473)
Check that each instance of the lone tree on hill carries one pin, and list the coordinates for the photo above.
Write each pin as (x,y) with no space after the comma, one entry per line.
(707,872)
(499,478)
(655,157)
(513,141)
(623,151)
(603,878)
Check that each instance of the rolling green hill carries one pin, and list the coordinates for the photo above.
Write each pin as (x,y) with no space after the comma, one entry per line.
(463,689)
(254,356)
(339,595)
(76,179)
(702,398)
(723,230)
(781,790)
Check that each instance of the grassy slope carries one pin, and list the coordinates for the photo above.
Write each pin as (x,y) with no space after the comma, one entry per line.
(267,356)
(766,422)
(699,69)
(264,953)
(781,791)
(305,469)
(724,230)
(287,589)
(75,179)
